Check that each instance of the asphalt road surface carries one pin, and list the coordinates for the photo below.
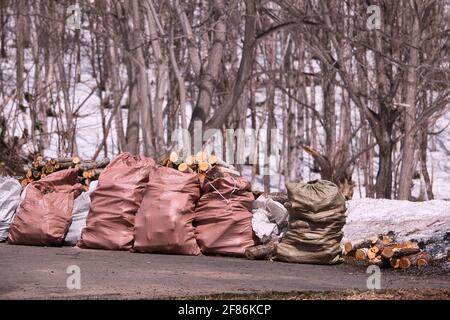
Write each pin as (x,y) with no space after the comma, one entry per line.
(28,272)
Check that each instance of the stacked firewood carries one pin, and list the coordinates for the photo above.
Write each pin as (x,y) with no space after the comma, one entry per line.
(205,165)
(88,170)
(385,252)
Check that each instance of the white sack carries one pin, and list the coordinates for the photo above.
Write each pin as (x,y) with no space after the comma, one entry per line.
(80,212)
(10,190)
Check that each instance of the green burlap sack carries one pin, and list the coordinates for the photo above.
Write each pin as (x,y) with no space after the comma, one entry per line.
(316,219)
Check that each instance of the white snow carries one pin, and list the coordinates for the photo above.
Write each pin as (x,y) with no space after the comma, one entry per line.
(409,220)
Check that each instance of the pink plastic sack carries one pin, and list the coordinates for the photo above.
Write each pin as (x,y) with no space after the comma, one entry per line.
(45,214)
(164,219)
(223,217)
(114,203)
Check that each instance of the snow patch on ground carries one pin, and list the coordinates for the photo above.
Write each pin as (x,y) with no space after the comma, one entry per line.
(409,220)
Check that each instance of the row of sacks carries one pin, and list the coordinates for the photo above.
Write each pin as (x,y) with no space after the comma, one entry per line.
(141,206)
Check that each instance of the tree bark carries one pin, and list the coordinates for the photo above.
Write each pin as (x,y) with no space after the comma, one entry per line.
(409,140)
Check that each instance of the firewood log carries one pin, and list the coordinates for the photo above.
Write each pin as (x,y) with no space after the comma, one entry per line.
(351,247)
(49,168)
(173,157)
(76,160)
(400,250)
(263,251)
(63,159)
(420,259)
(201,177)
(36,174)
(214,173)
(39,164)
(212,159)
(65,165)
(361,254)
(86,174)
(377,260)
(201,156)
(25,182)
(386,240)
(229,171)
(183,167)
(404,263)
(372,254)
(395,263)
(190,160)
(204,166)
(83,166)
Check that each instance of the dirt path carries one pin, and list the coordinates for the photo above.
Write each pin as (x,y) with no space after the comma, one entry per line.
(37,272)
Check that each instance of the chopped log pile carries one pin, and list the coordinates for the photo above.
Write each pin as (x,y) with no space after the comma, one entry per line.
(385,252)
(88,170)
(205,165)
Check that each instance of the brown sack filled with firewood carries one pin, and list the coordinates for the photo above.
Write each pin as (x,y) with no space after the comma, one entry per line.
(45,214)
(164,219)
(224,218)
(114,203)
(316,218)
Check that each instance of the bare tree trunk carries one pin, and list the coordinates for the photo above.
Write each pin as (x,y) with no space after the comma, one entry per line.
(409,140)
(210,74)
(143,97)
(162,76)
